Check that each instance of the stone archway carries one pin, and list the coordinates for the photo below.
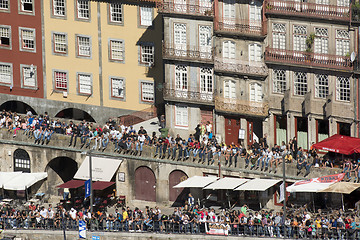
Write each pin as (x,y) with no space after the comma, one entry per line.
(175,177)
(76,114)
(145,184)
(17,106)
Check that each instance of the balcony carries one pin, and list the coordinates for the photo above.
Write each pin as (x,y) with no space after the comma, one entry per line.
(240,27)
(186,9)
(188,53)
(241,107)
(188,95)
(308,59)
(240,67)
(308,10)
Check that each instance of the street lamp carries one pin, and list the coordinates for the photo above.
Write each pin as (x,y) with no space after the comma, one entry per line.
(88,153)
(284,191)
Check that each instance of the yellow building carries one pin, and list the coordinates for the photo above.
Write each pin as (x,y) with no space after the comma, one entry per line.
(102,58)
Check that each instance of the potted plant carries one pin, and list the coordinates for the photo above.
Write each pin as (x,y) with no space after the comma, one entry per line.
(309,43)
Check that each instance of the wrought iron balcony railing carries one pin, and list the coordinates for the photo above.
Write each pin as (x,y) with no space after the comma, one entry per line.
(308,59)
(187,9)
(306,9)
(240,67)
(240,26)
(191,53)
(188,95)
(241,106)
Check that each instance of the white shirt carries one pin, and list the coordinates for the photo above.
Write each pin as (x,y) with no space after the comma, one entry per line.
(43,213)
(73,214)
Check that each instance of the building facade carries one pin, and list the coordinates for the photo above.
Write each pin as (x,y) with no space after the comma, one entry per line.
(281,69)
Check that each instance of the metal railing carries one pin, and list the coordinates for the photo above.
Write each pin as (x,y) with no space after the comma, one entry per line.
(242,67)
(241,106)
(240,26)
(188,52)
(308,59)
(188,95)
(188,9)
(307,9)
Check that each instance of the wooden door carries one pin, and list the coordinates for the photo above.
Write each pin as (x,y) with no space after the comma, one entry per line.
(175,178)
(232,126)
(145,184)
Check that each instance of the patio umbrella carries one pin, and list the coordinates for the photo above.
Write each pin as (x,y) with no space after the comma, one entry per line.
(343,188)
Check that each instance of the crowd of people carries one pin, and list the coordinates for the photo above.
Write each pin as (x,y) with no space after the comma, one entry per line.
(299,223)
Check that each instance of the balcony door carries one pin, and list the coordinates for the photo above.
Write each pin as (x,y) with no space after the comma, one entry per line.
(205,5)
(299,41)
(228,51)
(322,6)
(255,15)
(206,84)
(229,13)
(205,41)
(321,45)
(255,52)
(180,39)
(229,89)
(181,81)
(180,6)
(255,92)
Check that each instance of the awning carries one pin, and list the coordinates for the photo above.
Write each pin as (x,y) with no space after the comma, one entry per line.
(257,185)
(339,144)
(342,187)
(7,176)
(100,185)
(24,181)
(73,183)
(103,169)
(226,183)
(196,182)
(315,184)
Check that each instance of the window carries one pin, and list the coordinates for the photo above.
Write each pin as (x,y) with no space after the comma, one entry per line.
(343,89)
(299,36)
(229,10)
(180,36)
(60,80)
(146,16)
(229,49)
(321,40)
(85,83)
(206,80)
(255,52)
(84,46)
(300,83)
(60,43)
(116,15)
(279,81)
(83,9)
(147,91)
(117,50)
(343,3)
(29,76)
(147,54)
(255,92)
(27,39)
(278,34)
(59,8)
(255,13)
(205,36)
(181,77)
(181,116)
(229,89)
(5,36)
(321,85)
(4,4)
(117,87)
(21,161)
(342,42)
(27,5)
(5,74)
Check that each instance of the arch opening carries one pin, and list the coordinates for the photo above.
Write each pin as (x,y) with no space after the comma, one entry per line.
(177,195)
(17,106)
(76,114)
(21,161)
(145,184)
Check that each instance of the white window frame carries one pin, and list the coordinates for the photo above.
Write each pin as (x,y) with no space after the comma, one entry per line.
(299,38)
(58,44)
(29,39)
(321,85)
(6,70)
(145,16)
(5,5)
(147,54)
(229,89)
(83,46)
(121,83)
(300,83)
(206,80)
(147,91)
(5,33)
(343,90)
(279,81)
(279,36)
(84,88)
(181,116)
(83,9)
(256,92)
(22,6)
(321,42)
(116,13)
(117,50)
(229,49)
(342,42)
(28,73)
(255,52)
(64,81)
(181,77)
(59,8)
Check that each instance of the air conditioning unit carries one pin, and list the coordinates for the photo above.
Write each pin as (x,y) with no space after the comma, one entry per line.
(65,94)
